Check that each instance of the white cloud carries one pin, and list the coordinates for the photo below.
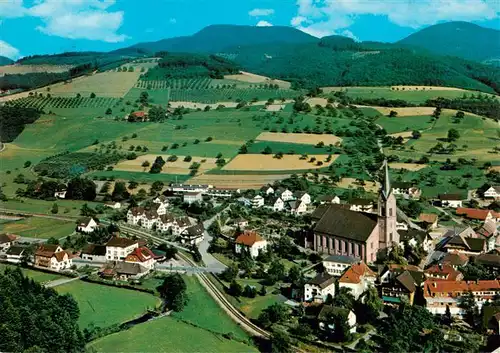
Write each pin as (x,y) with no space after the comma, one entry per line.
(261,12)
(75,19)
(12,8)
(327,16)
(8,50)
(172,21)
(264,24)
(349,34)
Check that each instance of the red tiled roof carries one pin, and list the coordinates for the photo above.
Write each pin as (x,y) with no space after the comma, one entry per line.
(139,114)
(7,238)
(60,255)
(445,270)
(248,238)
(475,213)
(140,254)
(354,273)
(453,288)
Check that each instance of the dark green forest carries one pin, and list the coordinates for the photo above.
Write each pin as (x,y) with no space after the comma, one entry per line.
(13,120)
(36,319)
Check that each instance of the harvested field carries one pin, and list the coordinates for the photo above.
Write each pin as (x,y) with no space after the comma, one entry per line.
(406,135)
(263,162)
(318,101)
(275,107)
(237,181)
(407,111)
(347,183)
(409,166)
(26,69)
(253,78)
(177,167)
(308,139)
(495,168)
(196,105)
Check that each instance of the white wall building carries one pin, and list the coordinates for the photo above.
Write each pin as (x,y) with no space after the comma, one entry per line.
(335,265)
(318,288)
(118,248)
(359,277)
(257,201)
(86,225)
(251,242)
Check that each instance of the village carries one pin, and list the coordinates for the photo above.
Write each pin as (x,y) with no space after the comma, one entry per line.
(317,249)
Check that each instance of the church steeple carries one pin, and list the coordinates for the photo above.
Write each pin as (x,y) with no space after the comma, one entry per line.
(387,209)
(386,182)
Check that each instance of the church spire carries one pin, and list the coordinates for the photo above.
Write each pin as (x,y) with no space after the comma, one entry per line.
(386,182)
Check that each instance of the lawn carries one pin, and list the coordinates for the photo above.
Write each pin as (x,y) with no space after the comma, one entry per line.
(204,312)
(67,208)
(168,335)
(43,228)
(37,276)
(252,307)
(288,147)
(407,123)
(104,305)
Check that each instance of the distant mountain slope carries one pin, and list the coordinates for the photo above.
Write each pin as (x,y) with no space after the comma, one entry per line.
(463,39)
(216,38)
(325,64)
(5,61)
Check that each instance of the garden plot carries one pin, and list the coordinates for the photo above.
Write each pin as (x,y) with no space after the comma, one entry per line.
(267,162)
(177,167)
(309,139)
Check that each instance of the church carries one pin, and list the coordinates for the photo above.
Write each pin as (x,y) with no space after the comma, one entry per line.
(340,231)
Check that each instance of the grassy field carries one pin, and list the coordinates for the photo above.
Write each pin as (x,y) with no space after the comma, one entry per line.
(407,123)
(139,176)
(168,335)
(37,276)
(66,207)
(104,305)
(252,307)
(42,228)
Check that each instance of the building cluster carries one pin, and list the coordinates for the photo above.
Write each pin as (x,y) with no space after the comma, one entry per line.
(282,200)
(191,193)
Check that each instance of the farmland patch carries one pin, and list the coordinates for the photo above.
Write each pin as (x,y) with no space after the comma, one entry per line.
(176,167)
(312,139)
(287,162)
(238,181)
(26,69)
(408,166)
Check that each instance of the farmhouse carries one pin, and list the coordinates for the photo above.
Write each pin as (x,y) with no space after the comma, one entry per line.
(123,270)
(15,254)
(443,272)
(336,264)
(400,281)
(143,256)
(455,259)
(415,238)
(492,192)
(251,242)
(359,234)
(118,248)
(358,277)
(138,116)
(86,225)
(478,214)
(489,232)
(441,294)
(52,257)
(451,200)
(94,252)
(192,197)
(193,235)
(319,288)
(6,241)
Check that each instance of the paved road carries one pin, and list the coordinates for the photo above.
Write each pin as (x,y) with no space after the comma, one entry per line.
(59,282)
(208,259)
(455,219)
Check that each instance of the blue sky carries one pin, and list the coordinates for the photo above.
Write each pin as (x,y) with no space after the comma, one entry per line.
(52,26)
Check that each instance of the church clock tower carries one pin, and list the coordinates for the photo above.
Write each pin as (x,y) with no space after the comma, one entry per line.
(388,236)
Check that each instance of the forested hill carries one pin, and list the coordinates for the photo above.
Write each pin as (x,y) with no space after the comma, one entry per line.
(463,39)
(217,38)
(5,61)
(339,62)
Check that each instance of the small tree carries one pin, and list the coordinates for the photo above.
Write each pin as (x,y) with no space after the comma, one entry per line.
(109,111)
(54,209)
(235,289)
(173,292)
(416,134)
(92,95)
(27,164)
(453,135)
(393,114)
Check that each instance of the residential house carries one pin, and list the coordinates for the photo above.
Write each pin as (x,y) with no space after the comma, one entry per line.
(149,219)
(60,194)
(335,265)
(94,252)
(123,270)
(192,197)
(302,196)
(489,232)
(398,281)
(361,205)
(451,200)
(52,257)
(15,254)
(277,204)
(180,224)
(296,207)
(429,220)
(86,225)
(359,277)
(492,192)
(135,214)
(193,235)
(406,189)
(455,259)
(415,238)
(257,201)
(162,200)
(443,272)
(328,310)
(251,242)
(267,190)
(318,288)
(329,199)
(285,194)
(441,294)
(138,116)
(118,248)
(143,256)
(478,214)
(114,205)
(6,241)
(466,245)
(165,222)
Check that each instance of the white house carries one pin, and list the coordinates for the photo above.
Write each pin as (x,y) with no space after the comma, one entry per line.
(335,265)
(60,194)
(180,224)
(359,277)
(6,241)
(143,256)
(251,242)
(257,201)
(113,205)
(134,215)
(296,207)
(302,196)
(267,190)
(52,257)
(118,248)
(326,312)
(181,188)
(149,219)
(86,225)
(277,204)
(319,287)
(361,205)
(161,200)
(165,222)
(451,200)
(15,254)
(329,199)
(415,237)
(94,252)
(192,197)
(285,194)
(193,235)
(492,192)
